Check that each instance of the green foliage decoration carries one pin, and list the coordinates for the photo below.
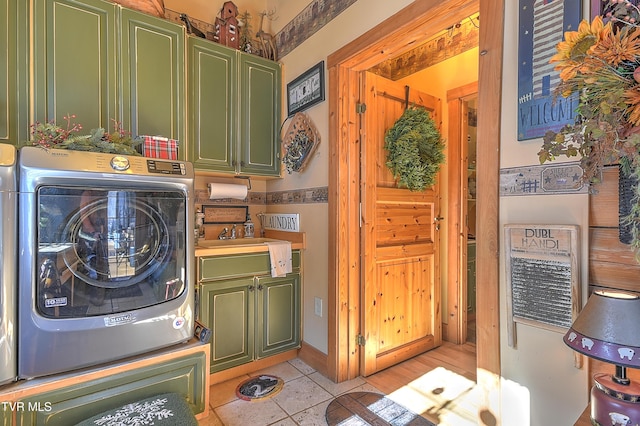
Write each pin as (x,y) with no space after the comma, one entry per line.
(50,135)
(415,149)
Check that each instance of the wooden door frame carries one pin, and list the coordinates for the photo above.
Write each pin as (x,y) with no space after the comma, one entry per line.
(455,328)
(396,35)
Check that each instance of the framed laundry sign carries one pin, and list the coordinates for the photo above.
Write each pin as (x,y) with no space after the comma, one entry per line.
(543,276)
(542,25)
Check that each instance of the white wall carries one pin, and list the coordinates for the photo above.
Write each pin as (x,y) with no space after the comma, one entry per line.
(541,361)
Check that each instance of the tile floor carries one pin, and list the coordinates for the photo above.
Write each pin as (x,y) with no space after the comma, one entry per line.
(302,401)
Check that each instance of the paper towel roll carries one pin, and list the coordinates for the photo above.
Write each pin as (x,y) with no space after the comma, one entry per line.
(227,190)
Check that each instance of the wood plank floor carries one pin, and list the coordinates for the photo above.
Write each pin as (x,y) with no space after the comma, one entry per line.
(439,384)
(461,359)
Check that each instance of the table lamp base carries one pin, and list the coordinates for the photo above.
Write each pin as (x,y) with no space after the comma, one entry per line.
(614,404)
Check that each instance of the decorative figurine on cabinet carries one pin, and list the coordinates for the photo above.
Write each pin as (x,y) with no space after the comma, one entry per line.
(226,26)
(267,43)
(191,29)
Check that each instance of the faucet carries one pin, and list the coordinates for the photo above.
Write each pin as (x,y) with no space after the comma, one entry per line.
(261,219)
(223,234)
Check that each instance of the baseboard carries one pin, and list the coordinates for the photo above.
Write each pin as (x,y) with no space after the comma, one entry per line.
(315,359)
(251,367)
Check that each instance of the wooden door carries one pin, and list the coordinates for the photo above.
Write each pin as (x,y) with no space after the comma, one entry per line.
(400,287)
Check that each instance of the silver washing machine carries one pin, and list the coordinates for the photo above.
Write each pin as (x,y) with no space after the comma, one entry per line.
(106,258)
(8,262)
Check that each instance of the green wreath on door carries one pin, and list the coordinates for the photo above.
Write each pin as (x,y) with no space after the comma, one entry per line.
(415,149)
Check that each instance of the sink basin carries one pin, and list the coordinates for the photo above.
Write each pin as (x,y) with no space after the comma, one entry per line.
(234,243)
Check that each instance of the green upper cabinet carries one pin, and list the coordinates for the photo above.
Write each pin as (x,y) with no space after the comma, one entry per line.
(153,95)
(106,64)
(234,110)
(14,127)
(75,67)
(259,115)
(212,98)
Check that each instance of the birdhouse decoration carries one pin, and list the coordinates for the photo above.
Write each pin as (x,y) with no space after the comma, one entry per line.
(226,26)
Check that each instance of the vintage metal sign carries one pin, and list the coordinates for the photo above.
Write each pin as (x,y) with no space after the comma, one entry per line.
(542,276)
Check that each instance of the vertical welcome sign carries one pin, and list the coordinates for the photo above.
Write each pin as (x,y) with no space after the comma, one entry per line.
(542,24)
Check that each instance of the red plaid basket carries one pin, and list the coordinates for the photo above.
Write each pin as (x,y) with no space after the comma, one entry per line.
(159,147)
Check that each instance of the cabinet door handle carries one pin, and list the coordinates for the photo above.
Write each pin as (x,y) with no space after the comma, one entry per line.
(260,287)
(251,287)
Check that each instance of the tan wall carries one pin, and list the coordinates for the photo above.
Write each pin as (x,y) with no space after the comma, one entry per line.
(351,23)
(541,362)
(207,10)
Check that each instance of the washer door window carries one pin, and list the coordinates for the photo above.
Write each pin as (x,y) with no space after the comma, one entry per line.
(108,251)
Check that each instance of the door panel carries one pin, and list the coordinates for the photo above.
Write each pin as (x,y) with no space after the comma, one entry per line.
(212,98)
(259,115)
(75,75)
(152,76)
(400,240)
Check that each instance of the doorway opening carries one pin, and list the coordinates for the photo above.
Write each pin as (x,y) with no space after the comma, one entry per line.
(418,21)
(470,142)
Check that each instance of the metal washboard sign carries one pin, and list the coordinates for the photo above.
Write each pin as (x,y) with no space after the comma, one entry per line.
(281,222)
(543,286)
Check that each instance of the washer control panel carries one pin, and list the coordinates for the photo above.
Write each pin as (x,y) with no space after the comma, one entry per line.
(165,167)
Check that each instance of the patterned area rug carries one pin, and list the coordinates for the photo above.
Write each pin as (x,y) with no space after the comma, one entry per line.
(368,408)
(169,409)
(259,387)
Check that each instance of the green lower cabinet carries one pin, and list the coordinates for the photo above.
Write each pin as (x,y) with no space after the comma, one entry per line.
(72,404)
(6,415)
(251,317)
(279,308)
(228,308)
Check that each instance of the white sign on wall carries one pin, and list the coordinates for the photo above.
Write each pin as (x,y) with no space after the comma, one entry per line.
(281,222)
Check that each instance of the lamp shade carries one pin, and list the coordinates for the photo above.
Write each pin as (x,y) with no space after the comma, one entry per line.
(607,328)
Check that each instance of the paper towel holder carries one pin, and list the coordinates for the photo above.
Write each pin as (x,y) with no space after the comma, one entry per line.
(247,178)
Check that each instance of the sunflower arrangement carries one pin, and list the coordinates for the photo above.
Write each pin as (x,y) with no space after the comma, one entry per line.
(601,64)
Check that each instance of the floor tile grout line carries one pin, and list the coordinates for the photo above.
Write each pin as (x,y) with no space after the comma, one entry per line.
(303,375)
